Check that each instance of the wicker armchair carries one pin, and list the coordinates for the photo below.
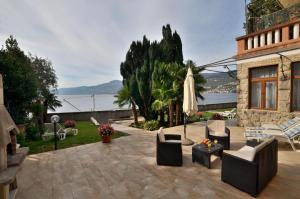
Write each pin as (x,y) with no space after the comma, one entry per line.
(222,139)
(168,152)
(250,174)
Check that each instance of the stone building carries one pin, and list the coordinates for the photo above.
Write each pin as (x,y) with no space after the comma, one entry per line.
(268,69)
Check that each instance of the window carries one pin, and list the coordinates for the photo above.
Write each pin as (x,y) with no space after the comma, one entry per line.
(263,88)
(296,86)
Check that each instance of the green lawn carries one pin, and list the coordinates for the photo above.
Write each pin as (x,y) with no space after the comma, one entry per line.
(87,133)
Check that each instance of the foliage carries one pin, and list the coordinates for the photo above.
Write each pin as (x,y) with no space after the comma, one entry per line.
(47,83)
(87,134)
(124,98)
(106,130)
(154,73)
(69,123)
(151,125)
(21,139)
(31,132)
(20,85)
(217,116)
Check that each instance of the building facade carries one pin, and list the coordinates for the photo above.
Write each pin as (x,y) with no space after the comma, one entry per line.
(268,71)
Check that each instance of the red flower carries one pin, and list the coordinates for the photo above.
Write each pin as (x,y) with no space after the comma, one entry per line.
(106,129)
(70,124)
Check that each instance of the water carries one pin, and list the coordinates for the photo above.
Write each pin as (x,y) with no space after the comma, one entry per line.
(105,101)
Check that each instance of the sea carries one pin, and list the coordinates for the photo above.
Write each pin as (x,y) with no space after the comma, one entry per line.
(81,103)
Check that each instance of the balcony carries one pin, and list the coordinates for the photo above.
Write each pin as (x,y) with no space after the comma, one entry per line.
(276,18)
(270,40)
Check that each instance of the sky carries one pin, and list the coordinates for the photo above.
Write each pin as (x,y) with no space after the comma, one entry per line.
(87,40)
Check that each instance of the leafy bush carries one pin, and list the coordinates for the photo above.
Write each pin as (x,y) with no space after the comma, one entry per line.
(32,132)
(70,124)
(21,139)
(151,125)
(217,116)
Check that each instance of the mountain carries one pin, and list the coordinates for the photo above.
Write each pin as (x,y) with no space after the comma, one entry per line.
(216,83)
(111,87)
(220,82)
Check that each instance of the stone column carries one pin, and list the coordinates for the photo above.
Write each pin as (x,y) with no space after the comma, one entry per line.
(277,36)
(250,43)
(269,38)
(256,41)
(262,40)
(296,31)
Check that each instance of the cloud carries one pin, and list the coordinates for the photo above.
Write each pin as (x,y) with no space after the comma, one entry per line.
(87,40)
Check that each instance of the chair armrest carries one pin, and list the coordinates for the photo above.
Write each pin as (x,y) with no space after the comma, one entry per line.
(227,131)
(206,132)
(172,137)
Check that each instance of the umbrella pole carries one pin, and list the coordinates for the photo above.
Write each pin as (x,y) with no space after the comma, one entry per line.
(186,141)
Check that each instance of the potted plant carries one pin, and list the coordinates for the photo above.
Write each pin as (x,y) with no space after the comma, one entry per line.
(106,131)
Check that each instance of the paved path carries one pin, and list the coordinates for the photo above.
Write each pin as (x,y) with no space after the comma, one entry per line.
(127,168)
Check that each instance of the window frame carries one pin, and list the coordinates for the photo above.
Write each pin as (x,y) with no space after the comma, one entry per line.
(293,77)
(263,81)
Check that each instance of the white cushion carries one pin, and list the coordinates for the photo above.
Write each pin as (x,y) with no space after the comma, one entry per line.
(173,141)
(161,135)
(246,153)
(216,127)
(219,134)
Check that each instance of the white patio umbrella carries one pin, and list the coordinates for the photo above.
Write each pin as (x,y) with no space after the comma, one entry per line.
(190,105)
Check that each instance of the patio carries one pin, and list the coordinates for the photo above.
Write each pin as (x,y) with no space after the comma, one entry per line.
(127,168)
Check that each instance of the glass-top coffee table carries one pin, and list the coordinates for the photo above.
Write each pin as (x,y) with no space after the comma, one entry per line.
(201,153)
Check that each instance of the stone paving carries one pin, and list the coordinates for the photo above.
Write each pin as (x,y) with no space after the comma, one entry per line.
(127,168)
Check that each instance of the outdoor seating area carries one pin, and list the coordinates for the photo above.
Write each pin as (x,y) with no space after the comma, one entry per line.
(128,167)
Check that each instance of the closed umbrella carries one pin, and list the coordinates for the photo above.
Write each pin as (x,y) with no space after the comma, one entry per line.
(190,105)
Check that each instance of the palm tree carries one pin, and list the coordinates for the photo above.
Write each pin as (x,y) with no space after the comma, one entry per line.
(124,98)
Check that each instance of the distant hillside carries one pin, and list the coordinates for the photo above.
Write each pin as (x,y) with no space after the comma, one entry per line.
(216,82)
(111,87)
(220,82)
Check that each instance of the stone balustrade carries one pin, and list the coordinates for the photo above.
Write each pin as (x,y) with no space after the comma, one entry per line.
(283,35)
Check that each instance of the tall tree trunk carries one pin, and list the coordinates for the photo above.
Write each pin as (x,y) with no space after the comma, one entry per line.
(134,112)
(171,114)
(45,111)
(178,113)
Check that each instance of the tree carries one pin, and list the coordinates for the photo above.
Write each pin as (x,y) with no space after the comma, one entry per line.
(47,84)
(124,98)
(20,86)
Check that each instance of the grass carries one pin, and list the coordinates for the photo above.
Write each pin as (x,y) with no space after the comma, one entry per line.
(87,133)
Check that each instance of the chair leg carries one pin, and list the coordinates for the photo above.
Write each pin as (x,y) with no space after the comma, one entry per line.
(292,144)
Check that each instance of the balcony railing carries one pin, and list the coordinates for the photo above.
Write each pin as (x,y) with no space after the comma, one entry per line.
(276,18)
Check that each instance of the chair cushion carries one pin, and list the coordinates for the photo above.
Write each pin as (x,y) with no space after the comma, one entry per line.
(173,141)
(216,127)
(161,135)
(289,123)
(246,153)
(293,132)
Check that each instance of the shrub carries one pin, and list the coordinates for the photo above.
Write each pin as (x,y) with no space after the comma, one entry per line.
(21,139)
(70,124)
(32,132)
(151,125)
(217,116)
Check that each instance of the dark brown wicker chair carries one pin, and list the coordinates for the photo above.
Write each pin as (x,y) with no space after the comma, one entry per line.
(251,176)
(224,140)
(169,153)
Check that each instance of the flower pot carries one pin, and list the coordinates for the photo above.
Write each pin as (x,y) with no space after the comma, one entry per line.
(106,138)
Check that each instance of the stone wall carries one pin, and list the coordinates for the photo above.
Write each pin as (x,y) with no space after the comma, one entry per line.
(208,107)
(100,116)
(250,117)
